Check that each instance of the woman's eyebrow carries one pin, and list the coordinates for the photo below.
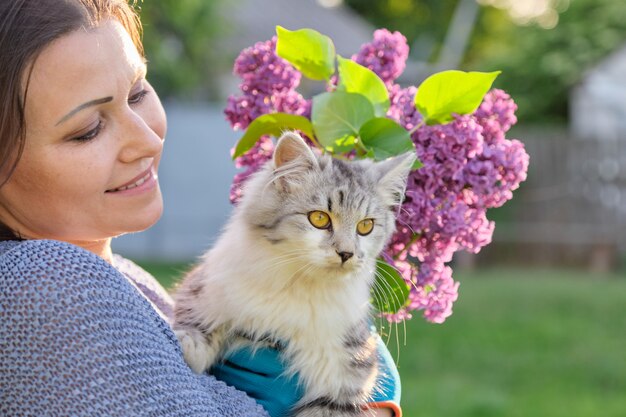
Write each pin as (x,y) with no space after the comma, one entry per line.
(140,73)
(83,106)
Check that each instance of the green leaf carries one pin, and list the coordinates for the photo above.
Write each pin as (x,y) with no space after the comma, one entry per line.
(443,94)
(355,78)
(385,138)
(312,53)
(337,118)
(271,124)
(417,164)
(390,291)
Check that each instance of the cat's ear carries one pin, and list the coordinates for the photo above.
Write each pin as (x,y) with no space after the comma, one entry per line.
(392,177)
(292,158)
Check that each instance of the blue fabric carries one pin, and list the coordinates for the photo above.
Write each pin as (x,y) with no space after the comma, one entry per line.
(79,338)
(388,384)
(260,374)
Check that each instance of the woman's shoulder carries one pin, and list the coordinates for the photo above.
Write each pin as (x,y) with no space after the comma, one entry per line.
(46,253)
(69,267)
(46,272)
(147,284)
(71,322)
(46,281)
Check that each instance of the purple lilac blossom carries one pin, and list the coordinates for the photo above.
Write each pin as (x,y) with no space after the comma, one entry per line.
(268,85)
(469,165)
(386,55)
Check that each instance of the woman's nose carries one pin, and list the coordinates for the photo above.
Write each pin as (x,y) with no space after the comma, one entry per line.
(139,139)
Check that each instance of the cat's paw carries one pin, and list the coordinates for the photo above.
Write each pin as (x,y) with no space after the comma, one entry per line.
(198,353)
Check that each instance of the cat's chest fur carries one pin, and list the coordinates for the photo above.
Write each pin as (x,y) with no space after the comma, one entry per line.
(287,301)
(314,317)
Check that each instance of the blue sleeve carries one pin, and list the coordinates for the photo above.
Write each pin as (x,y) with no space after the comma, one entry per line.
(77,338)
(388,387)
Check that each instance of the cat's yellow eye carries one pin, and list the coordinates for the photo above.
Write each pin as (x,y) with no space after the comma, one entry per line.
(319,219)
(365,227)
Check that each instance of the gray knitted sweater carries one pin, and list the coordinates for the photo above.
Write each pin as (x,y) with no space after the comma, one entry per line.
(79,337)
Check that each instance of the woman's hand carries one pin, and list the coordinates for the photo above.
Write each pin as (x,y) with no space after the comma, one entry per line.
(380,412)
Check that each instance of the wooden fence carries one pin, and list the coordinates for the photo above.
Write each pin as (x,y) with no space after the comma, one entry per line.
(573,203)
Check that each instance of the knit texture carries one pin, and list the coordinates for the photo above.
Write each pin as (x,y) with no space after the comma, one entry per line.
(79,337)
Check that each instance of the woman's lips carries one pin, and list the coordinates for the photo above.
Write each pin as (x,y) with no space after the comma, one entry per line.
(141,182)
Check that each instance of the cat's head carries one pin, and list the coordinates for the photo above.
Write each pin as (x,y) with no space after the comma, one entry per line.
(326,214)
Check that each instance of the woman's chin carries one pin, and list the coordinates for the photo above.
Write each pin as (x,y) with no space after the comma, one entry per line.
(147,218)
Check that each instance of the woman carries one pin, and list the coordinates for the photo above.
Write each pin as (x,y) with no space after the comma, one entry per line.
(83,331)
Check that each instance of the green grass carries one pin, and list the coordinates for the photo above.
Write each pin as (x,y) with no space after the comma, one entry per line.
(166,273)
(519,344)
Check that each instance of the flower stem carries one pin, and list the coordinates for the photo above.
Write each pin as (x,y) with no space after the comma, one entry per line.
(414,238)
(420,124)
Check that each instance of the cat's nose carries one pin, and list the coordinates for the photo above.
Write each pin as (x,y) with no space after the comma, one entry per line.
(345,256)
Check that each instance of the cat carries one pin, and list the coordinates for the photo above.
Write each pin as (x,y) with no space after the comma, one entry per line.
(295,264)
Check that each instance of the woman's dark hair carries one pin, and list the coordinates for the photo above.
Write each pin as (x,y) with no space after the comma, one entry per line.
(26,28)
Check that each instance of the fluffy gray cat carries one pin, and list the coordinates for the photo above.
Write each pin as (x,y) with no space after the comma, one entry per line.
(295,264)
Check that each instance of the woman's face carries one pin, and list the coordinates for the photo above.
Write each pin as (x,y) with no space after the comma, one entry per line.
(94,136)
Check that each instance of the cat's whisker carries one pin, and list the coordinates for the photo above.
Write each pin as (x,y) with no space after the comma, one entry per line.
(285,258)
(403,321)
(402,209)
(281,261)
(407,225)
(397,343)
(375,316)
(404,328)
(403,223)
(385,292)
(376,295)
(380,316)
(297,273)
(409,282)
(388,289)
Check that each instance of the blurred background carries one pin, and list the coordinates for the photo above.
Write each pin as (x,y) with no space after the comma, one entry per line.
(540,325)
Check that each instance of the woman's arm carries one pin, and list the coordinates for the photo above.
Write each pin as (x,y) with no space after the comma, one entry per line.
(76,338)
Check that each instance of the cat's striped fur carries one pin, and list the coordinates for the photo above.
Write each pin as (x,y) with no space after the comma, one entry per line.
(274,277)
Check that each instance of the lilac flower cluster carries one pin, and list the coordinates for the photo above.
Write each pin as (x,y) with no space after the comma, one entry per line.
(469,166)
(268,85)
(386,55)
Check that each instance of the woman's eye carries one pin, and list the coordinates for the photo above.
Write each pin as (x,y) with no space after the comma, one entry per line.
(138,98)
(89,135)
(319,219)
(365,227)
